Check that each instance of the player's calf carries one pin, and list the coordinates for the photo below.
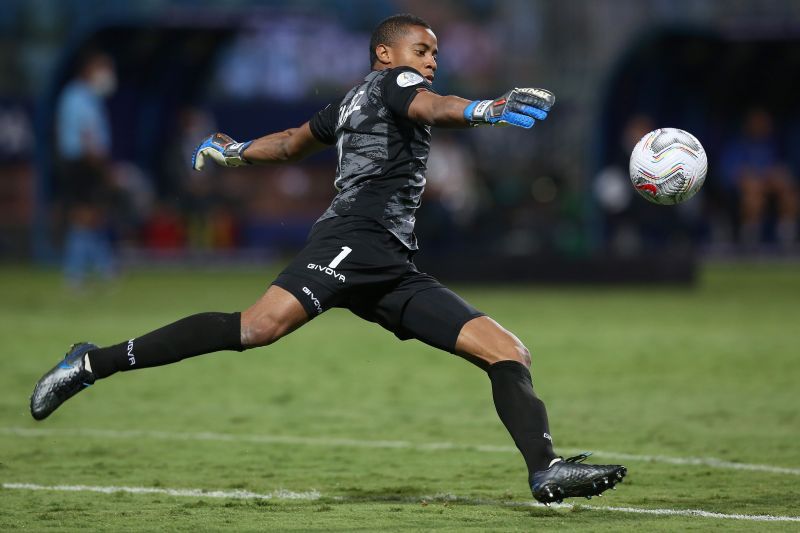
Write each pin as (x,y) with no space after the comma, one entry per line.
(85,363)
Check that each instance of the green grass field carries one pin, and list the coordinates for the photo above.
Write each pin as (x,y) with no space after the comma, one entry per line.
(373,434)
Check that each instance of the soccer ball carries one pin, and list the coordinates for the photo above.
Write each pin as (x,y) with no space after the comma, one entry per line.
(668,166)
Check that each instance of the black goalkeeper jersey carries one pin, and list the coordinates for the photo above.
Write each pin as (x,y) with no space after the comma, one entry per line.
(382,153)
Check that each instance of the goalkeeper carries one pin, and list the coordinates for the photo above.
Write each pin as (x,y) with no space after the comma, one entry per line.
(359,253)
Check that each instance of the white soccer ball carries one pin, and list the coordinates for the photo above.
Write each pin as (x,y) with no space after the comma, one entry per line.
(668,166)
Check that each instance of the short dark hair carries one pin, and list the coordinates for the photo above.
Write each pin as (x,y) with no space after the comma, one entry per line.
(390,29)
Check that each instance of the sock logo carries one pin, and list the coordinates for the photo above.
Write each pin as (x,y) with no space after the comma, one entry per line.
(131,357)
(548,437)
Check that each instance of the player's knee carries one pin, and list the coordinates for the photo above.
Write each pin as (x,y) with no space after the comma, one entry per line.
(273,316)
(262,330)
(516,351)
(524,355)
(484,342)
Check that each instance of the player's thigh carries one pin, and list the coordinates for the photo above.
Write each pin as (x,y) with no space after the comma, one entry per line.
(419,307)
(276,314)
(441,318)
(436,317)
(315,277)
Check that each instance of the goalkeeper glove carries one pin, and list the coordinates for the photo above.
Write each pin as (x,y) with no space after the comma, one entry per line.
(222,150)
(518,107)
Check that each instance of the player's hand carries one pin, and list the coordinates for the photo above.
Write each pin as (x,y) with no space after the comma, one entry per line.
(222,150)
(518,107)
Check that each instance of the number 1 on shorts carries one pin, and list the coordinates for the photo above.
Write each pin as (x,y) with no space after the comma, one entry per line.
(339,258)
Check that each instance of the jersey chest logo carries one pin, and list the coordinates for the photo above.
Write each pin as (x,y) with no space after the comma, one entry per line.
(346,111)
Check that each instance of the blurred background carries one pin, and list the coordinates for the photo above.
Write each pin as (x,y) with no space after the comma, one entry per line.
(102,103)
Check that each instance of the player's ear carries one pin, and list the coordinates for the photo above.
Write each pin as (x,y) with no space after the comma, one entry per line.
(383,53)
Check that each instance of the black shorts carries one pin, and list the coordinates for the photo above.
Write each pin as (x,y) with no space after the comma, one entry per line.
(355,263)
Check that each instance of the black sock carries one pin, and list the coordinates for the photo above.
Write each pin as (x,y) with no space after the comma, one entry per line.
(190,336)
(522,413)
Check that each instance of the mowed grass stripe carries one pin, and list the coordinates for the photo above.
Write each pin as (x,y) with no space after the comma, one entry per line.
(689,373)
(282,494)
(385,444)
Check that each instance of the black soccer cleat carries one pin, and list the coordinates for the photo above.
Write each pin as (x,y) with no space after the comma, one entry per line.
(64,381)
(571,479)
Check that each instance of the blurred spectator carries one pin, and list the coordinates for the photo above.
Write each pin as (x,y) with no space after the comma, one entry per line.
(224,228)
(132,200)
(206,217)
(197,191)
(452,180)
(614,194)
(83,148)
(164,232)
(754,168)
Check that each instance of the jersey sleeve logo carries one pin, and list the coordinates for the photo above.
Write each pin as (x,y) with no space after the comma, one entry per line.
(407,79)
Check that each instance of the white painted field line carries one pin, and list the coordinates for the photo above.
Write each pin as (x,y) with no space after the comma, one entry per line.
(694,461)
(695,512)
(397,444)
(635,510)
(314,495)
(191,493)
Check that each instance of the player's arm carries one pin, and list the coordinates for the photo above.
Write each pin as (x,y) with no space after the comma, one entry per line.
(518,107)
(282,147)
(286,146)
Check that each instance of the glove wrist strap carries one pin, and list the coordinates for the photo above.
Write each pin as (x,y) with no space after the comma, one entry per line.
(236,152)
(475,112)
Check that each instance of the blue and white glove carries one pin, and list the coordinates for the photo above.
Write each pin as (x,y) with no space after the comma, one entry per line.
(518,107)
(222,150)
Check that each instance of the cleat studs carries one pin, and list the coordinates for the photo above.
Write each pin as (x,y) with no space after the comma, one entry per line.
(599,495)
(588,497)
(547,504)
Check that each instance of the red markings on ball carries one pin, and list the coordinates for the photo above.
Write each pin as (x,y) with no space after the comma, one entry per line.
(649,187)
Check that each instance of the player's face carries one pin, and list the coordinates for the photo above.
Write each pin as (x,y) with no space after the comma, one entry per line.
(417,48)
